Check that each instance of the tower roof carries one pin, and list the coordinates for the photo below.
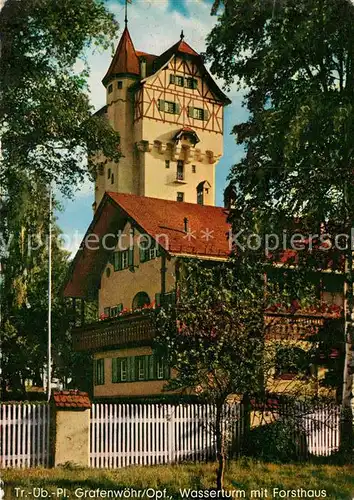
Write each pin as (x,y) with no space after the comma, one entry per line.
(125,60)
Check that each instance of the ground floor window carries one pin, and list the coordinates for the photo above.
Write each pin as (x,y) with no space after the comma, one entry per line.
(139,368)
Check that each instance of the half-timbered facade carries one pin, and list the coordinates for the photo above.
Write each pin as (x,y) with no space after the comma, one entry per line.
(169,113)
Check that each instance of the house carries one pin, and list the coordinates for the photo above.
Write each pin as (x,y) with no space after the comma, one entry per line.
(131,256)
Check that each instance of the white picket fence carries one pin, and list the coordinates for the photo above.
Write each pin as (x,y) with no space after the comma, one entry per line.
(24,435)
(146,434)
(321,428)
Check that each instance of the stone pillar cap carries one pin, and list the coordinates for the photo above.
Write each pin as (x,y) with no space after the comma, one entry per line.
(71,399)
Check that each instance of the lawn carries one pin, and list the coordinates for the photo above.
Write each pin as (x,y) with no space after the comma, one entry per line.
(243,477)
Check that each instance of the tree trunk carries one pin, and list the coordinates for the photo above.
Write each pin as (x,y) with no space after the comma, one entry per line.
(220,448)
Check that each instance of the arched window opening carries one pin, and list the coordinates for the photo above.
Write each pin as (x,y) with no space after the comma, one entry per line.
(140,300)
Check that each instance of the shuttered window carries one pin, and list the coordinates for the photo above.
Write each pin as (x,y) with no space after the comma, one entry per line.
(168,106)
(121,260)
(139,369)
(198,113)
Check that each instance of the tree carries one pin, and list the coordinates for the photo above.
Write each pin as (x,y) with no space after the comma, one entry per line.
(296,60)
(46,123)
(214,342)
(24,296)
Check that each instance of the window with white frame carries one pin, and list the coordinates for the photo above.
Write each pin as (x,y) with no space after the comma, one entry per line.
(160,369)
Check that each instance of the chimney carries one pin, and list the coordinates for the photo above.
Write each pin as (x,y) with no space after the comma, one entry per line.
(143,67)
(185,221)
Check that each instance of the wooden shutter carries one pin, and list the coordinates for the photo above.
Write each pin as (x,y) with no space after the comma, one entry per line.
(194,83)
(146,367)
(136,367)
(205,114)
(161,105)
(158,299)
(142,253)
(131,368)
(151,367)
(114,370)
(117,261)
(190,111)
(167,371)
(172,78)
(177,108)
(131,257)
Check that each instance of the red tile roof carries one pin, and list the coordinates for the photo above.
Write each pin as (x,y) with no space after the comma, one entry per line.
(71,399)
(150,58)
(161,219)
(125,60)
(208,228)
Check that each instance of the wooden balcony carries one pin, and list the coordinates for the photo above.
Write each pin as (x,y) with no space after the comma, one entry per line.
(125,330)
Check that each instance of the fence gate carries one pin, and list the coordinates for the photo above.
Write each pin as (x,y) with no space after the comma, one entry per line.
(24,435)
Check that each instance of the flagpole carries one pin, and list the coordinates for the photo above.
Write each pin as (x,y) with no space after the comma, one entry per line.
(126,13)
(49,367)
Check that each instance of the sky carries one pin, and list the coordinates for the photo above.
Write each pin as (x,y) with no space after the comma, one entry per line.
(154,26)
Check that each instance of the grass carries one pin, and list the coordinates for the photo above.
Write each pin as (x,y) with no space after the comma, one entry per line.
(247,475)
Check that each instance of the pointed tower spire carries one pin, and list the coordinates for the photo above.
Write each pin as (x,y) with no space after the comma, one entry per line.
(125,60)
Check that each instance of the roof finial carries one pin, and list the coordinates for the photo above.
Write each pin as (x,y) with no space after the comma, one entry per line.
(126,13)
(182,35)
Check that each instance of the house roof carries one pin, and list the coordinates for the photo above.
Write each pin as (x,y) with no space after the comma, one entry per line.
(125,60)
(165,217)
(163,220)
(150,59)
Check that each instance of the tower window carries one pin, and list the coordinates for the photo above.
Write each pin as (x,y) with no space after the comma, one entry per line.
(120,84)
(110,88)
(198,113)
(177,80)
(180,196)
(191,83)
(194,169)
(109,173)
(112,179)
(168,106)
(167,163)
(180,170)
